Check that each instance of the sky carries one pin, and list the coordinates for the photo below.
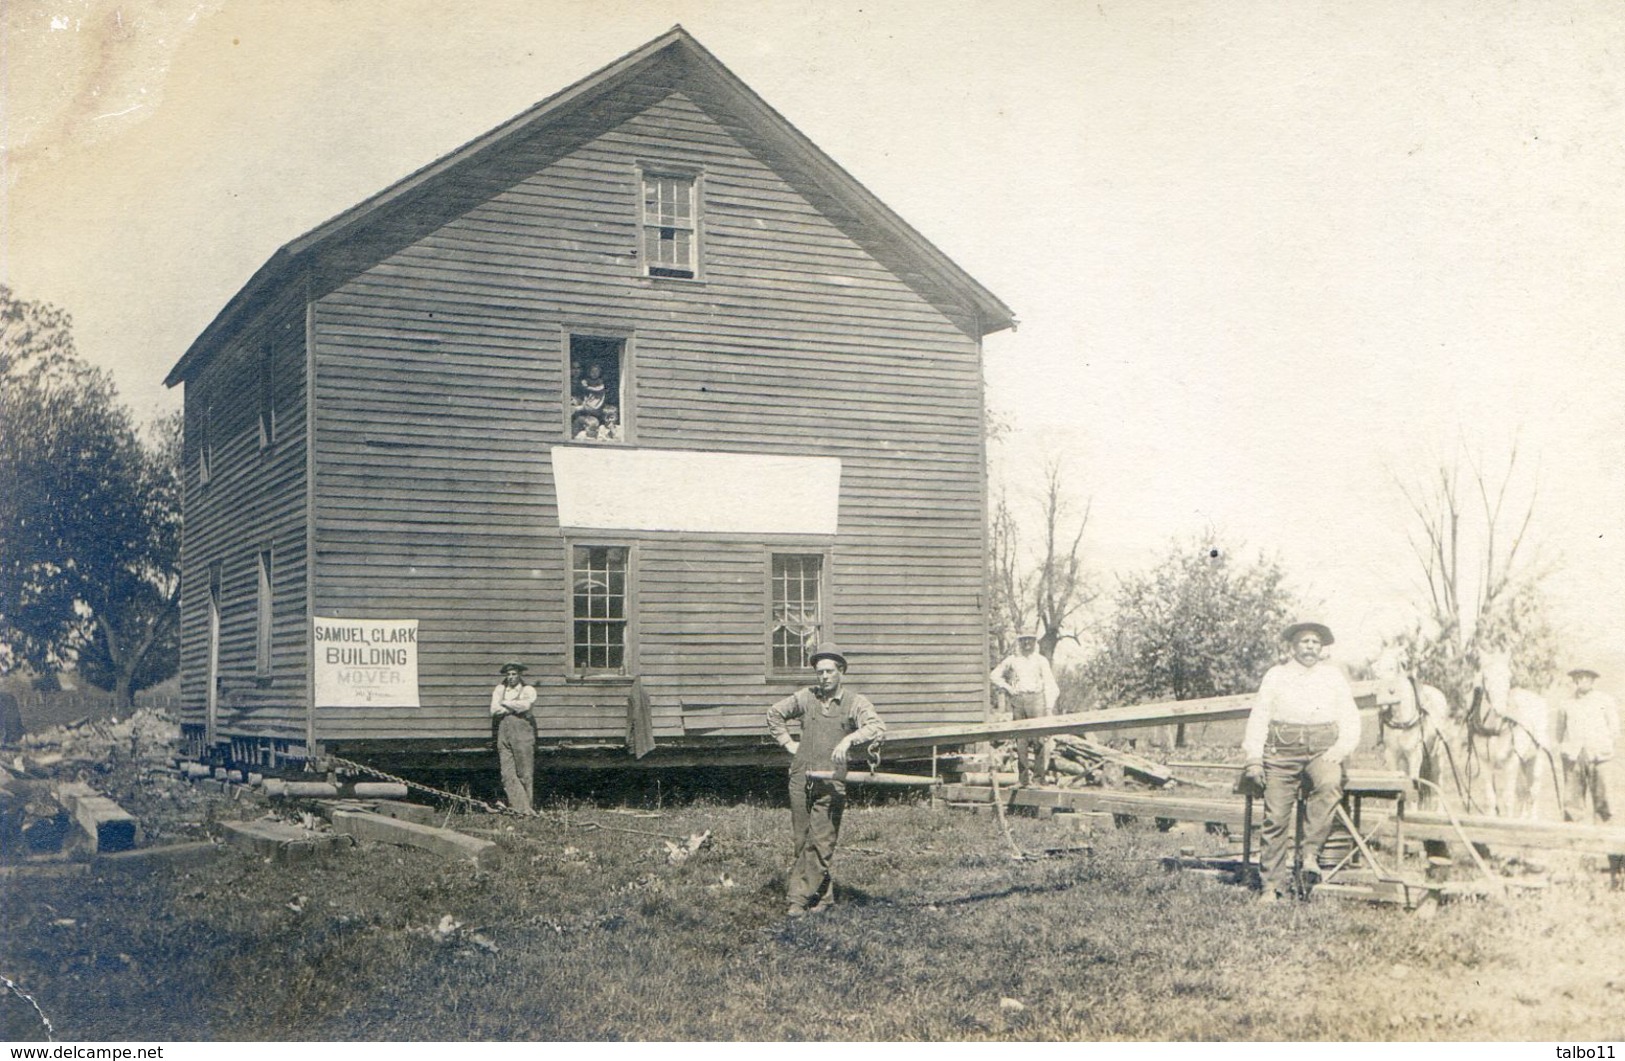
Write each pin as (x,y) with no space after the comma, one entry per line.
(1269,259)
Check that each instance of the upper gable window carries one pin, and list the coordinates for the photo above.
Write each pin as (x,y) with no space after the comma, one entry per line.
(671,235)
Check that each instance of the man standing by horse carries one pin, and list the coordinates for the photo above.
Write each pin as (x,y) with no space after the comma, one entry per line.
(1302,726)
(1589,730)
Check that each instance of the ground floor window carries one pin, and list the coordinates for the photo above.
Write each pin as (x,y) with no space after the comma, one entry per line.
(796,609)
(599,608)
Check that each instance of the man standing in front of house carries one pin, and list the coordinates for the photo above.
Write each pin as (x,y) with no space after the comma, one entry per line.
(833,719)
(512,708)
(1303,725)
(1590,729)
(1029,684)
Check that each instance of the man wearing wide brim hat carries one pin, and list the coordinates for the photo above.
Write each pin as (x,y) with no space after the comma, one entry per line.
(1587,731)
(833,717)
(1028,683)
(512,703)
(1303,725)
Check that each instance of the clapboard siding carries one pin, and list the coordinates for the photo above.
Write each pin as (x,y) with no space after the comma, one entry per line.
(438,383)
(254,500)
(437,335)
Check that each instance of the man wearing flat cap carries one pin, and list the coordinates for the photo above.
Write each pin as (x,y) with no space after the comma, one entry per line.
(1303,725)
(512,704)
(833,718)
(1588,731)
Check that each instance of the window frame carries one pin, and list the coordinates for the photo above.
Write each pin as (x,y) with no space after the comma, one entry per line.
(773,672)
(646,171)
(266,397)
(628,396)
(205,445)
(629,635)
(264,609)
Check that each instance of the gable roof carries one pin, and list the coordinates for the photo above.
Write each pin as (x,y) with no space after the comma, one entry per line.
(674,59)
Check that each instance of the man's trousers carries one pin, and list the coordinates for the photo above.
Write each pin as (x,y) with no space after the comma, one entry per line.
(815,819)
(1294,769)
(1024,706)
(516,752)
(1585,783)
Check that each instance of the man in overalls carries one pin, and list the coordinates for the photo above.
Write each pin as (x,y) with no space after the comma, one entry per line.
(1303,725)
(833,718)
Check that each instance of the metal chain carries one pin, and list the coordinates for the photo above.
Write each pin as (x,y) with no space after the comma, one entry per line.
(490,808)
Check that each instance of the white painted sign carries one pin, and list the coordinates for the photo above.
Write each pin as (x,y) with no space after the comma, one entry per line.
(608,488)
(366,662)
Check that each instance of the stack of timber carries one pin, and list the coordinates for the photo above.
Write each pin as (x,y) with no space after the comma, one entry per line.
(1121,804)
(1091,757)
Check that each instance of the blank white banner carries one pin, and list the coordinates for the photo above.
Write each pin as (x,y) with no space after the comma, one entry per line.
(607,488)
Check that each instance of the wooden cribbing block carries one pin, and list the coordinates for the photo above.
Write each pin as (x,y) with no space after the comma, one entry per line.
(375,790)
(108,826)
(421,813)
(443,842)
(301,789)
(278,841)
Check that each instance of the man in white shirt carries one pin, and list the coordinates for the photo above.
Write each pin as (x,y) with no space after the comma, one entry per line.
(512,702)
(1303,725)
(1029,684)
(1589,730)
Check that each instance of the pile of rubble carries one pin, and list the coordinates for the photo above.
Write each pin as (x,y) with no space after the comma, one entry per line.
(100,786)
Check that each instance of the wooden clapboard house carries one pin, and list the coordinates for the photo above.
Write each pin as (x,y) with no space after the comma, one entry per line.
(393,485)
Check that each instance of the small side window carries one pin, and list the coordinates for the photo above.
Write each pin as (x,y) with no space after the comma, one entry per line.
(267,399)
(205,447)
(262,616)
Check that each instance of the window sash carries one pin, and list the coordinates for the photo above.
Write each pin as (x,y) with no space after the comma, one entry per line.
(599,608)
(262,615)
(669,229)
(796,609)
(267,400)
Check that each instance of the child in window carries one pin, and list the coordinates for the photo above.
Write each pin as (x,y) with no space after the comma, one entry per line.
(592,388)
(611,431)
(587,426)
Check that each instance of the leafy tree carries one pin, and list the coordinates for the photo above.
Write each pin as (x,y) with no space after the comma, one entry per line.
(1481,580)
(89,515)
(1199,624)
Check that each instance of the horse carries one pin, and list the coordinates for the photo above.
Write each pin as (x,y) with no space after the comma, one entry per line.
(1508,735)
(1417,724)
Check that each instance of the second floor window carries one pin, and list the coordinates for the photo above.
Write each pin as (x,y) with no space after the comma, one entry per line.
(598,389)
(670,232)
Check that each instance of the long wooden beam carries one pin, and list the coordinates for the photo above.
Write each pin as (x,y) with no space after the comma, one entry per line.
(1214,709)
(1550,836)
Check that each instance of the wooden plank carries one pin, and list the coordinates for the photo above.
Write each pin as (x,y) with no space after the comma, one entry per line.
(443,842)
(1552,836)
(1157,714)
(278,841)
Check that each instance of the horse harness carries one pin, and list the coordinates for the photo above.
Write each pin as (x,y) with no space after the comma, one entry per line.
(1483,720)
(1386,714)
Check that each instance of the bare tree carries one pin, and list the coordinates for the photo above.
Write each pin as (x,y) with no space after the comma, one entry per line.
(1048,589)
(1480,576)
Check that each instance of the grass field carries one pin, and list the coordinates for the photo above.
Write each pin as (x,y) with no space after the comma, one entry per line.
(589,934)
